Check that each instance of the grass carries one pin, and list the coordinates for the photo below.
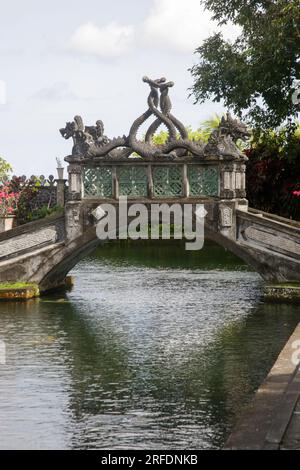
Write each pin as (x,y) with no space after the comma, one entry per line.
(17,285)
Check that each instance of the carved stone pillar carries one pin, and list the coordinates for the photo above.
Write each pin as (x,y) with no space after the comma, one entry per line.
(75,182)
(185,181)
(228,181)
(227,218)
(115,181)
(73,219)
(150,187)
(240,180)
(60,192)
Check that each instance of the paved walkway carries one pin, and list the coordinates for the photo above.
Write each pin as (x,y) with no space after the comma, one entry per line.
(291,439)
(272,419)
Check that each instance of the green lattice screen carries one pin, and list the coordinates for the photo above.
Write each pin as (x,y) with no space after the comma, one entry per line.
(204,181)
(133,181)
(167,181)
(97,182)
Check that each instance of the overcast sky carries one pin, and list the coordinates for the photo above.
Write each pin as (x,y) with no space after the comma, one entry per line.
(66,57)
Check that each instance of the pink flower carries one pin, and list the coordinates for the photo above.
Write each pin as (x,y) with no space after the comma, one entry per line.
(296,193)
(8,200)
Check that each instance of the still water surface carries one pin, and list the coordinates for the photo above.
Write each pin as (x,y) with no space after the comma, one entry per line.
(155,348)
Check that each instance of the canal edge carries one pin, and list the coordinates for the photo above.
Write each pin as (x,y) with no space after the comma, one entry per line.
(266,419)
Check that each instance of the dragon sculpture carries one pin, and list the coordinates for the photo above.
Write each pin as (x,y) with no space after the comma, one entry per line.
(223,139)
(89,142)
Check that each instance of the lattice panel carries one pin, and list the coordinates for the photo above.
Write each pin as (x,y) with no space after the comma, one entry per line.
(97,182)
(133,181)
(204,181)
(167,181)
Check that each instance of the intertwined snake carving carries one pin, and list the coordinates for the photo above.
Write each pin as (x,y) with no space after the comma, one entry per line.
(90,141)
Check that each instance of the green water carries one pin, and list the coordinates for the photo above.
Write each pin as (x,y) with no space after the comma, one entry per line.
(155,348)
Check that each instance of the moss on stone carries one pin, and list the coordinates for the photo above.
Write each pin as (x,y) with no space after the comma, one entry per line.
(16,285)
(18,291)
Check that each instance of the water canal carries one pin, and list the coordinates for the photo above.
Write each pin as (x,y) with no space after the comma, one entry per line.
(155,348)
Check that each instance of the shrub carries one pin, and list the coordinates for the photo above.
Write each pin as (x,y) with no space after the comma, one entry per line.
(273,172)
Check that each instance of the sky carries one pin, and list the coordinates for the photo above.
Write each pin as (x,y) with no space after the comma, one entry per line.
(63,58)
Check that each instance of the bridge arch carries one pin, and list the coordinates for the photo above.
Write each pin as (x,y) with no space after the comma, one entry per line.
(39,252)
(179,171)
(271,266)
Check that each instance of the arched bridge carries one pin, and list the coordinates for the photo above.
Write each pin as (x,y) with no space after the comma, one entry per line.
(181,171)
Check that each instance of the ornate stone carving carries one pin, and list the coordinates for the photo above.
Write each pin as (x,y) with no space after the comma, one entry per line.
(91,143)
(273,241)
(75,169)
(90,140)
(222,141)
(72,196)
(226,216)
(82,139)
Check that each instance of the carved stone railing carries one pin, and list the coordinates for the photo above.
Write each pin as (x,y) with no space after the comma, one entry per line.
(49,191)
(152,181)
(137,179)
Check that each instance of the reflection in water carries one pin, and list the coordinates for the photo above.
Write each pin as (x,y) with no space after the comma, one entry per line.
(154,348)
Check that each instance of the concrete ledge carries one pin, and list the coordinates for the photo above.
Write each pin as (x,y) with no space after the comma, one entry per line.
(266,419)
(288,293)
(24,291)
(18,291)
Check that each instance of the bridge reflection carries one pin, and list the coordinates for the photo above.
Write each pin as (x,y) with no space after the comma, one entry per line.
(176,362)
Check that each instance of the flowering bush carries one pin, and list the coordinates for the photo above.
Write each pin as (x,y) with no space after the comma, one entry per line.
(27,199)
(28,192)
(8,200)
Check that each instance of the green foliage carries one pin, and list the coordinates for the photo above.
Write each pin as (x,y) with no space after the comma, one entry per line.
(273,172)
(256,72)
(28,202)
(160,138)
(16,285)
(198,135)
(28,191)
(44,211)
(202,134)
(5,170)
(210,125)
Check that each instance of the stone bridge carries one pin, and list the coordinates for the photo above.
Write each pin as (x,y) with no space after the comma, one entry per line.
(181,171)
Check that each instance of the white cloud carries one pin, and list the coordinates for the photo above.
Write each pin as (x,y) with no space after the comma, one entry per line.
(180,25)
(176,25)
(59,91)
(107,41)
(3,92)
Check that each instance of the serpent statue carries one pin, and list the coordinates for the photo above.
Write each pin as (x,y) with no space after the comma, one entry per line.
(223,139)
(89,142)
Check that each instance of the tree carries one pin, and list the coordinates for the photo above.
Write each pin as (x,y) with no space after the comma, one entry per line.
(256,75)
(201,134)
(5,169)
(273,172)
